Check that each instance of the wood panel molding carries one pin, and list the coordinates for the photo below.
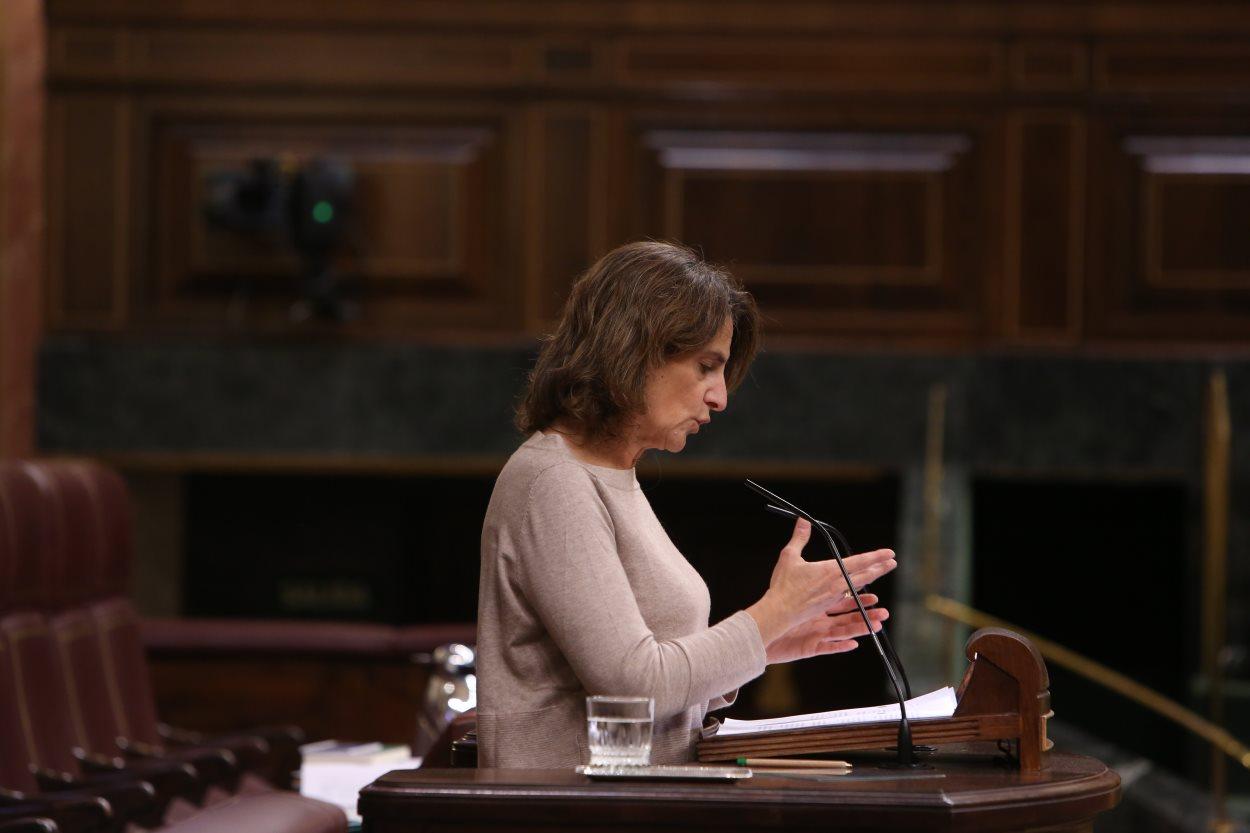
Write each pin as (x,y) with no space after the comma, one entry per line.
(1174,250)
(1045,228)
(1172,66)
(1048,66)
(89,200)
(829,229)
(1188,182)
(987,17)
(800,64)
(22,225)
(430,243)
(569,223)
(901,170)
(236,56)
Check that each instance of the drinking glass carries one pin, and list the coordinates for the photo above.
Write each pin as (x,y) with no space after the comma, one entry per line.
(619,730)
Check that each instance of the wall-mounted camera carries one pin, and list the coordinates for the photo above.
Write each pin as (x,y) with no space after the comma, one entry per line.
(309,206)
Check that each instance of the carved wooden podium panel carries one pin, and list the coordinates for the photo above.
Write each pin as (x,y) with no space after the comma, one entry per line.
(1004,696)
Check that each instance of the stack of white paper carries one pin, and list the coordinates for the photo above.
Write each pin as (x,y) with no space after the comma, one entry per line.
(940,703)
(341,783)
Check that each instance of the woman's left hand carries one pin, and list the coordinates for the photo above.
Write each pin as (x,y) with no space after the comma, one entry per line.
(832,633)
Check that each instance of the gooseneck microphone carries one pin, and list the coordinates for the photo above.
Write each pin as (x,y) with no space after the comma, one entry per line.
(846,549)
(906,752)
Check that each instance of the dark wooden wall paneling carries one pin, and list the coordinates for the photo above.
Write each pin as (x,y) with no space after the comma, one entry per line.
(22,226)
(1040,174)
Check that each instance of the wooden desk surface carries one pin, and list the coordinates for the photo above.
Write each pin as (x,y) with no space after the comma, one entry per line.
(966,790)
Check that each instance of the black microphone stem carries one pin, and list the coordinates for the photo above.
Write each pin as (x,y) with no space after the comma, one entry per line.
(846,548)
(906,752)
(898,664)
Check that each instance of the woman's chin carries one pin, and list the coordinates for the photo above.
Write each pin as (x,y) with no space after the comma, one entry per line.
(676,442)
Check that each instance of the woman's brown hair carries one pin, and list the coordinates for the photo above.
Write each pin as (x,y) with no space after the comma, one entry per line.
(638,306)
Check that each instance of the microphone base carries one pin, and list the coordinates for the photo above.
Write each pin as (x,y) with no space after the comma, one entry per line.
(914,763)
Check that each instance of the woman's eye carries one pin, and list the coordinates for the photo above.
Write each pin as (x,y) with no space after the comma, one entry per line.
(706,368)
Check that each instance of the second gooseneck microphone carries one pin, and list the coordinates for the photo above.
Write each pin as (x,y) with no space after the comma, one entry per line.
(846,549)
(906,751)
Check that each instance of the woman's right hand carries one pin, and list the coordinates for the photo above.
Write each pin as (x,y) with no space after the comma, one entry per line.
(800,590)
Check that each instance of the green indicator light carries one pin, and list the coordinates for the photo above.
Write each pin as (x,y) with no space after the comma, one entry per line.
(323,212)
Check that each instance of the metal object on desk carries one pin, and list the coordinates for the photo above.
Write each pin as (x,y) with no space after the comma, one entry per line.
(450,691)
(689,772)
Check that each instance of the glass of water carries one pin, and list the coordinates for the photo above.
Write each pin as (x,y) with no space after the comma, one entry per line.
(619,730)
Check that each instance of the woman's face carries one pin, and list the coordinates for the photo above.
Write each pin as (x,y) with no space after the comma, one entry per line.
(681,394)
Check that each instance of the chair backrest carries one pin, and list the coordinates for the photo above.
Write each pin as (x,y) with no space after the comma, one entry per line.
(17,737)
(52,727)
(27,537)
(112,499)
(119,641)
(38,725)
(97,629)
(96,705)
(80,675)
(82,540)
(10,520)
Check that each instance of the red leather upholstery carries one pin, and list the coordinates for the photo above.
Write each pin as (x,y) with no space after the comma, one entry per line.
(25,530)
(273,812)
(18,745)
(78,536)
(125,666)
(36,758)
(112,501)
(73,672)
(75,636)
(53,728)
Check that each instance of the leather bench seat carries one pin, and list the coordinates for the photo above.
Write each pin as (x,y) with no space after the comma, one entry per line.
(273,812)
(74,688)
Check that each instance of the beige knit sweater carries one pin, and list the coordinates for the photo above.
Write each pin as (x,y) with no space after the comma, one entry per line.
(582,592)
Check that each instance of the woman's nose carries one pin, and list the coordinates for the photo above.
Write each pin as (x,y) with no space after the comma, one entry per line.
(717,397)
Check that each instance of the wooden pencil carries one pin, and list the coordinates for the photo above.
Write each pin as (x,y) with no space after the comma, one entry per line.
(792,763)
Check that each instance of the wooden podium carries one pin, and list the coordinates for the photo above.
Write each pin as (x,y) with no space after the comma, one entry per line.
(1004,696)
(969,784)
(966,789)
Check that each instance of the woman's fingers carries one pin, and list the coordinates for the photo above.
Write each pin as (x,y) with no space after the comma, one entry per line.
(866,568)
(863,569)
(847,604)
(848,625)
(845,625)
(870,561)
(837,646)
(799,538)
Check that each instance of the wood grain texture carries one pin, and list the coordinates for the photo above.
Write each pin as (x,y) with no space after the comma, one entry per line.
(892,172)
(971,794)
(1106,17)
(1168,209)
(321,696)
(857,230)
(1045,226)
(429,245)
(22,228)
(1003,695)
(89,193)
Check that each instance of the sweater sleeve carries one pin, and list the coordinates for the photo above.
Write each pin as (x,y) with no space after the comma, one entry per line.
(574,578)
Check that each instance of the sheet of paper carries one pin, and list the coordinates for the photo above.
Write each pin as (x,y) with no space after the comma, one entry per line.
(341,783)
(939,703)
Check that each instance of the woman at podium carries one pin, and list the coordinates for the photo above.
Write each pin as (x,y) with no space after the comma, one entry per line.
(582,592)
